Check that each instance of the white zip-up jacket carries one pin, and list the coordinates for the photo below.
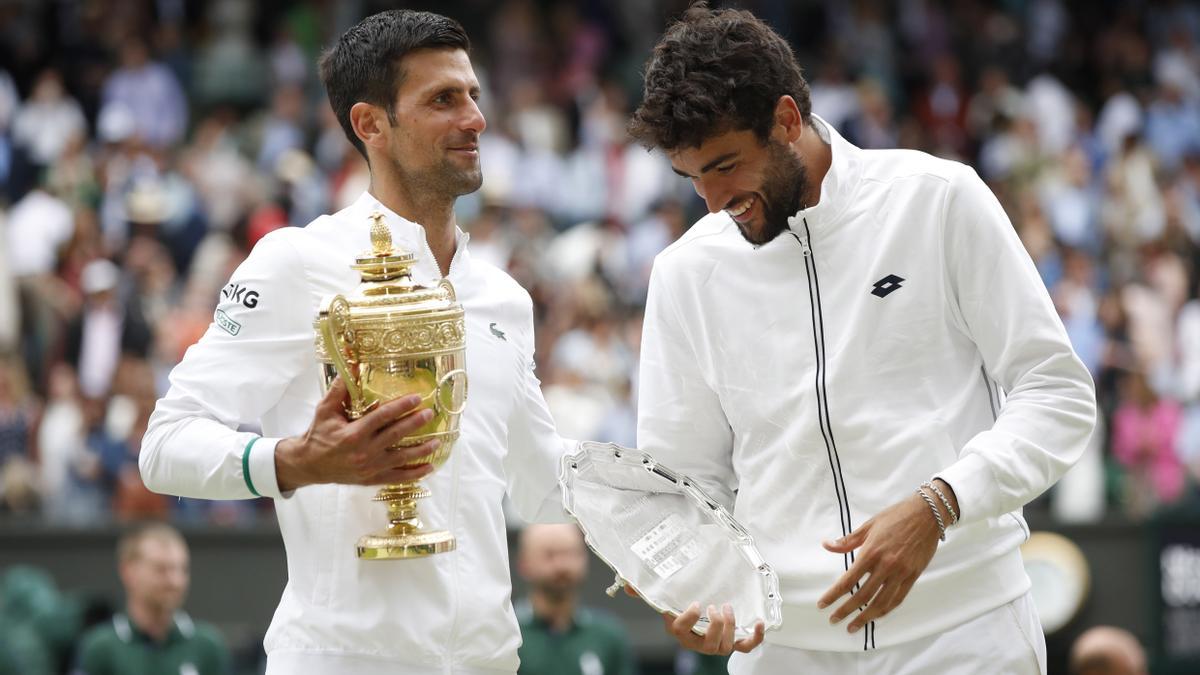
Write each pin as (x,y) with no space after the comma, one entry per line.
(448,613)
(897,332)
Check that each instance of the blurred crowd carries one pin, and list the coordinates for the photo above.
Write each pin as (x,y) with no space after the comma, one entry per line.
(146,146)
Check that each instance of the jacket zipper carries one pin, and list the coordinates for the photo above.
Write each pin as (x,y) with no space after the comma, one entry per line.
(823,418)
(457,251)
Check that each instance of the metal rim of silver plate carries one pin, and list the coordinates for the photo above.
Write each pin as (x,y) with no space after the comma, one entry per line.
(590,452)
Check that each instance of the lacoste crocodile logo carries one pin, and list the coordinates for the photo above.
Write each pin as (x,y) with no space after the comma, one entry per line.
(887,285)
(497,332)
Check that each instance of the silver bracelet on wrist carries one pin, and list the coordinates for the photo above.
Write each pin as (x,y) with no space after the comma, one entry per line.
(936,514)
(942,496)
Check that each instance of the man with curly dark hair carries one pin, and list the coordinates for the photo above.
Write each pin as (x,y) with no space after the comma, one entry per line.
(855,354)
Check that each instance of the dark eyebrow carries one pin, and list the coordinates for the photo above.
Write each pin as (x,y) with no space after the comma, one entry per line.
(472,90)
(709,167)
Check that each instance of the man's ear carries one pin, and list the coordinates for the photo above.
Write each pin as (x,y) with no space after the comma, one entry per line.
(789,123)
(370,124)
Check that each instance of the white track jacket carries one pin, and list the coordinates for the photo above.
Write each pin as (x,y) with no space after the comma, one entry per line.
(448,613)
(897,332)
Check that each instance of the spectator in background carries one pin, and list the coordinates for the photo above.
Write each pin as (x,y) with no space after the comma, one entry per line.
(153,635)
(17,422)
(69,488)
(558,636)
(48,121)
(107,328)
(151,93)
(37,624)
(1107,650)
(9,101)
(282,128)
(1143,441)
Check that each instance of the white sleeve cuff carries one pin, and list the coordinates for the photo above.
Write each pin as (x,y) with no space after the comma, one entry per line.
(258,467)
(974,488)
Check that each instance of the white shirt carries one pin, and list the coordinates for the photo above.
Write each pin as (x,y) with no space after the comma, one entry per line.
(100,348)
(816,380)
(37,226)
(448,613)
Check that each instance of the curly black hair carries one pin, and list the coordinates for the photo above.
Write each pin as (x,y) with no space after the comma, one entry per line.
(364,64)
(715,71)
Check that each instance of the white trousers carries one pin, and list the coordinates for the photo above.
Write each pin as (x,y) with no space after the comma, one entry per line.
(1007,640)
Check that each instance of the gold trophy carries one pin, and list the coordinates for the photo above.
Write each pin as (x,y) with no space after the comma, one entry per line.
(388,339)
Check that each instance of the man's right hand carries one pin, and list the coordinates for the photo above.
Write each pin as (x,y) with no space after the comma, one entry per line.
(336,449)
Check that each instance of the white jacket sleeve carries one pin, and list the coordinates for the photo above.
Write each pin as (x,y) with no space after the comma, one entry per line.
(535,449)
(680,419)
(1050,411)
(259,342)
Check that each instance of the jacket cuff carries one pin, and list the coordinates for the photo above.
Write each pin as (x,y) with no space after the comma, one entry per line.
(258,467)
(974,487)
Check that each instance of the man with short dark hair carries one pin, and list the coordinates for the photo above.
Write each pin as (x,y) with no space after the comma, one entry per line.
(855,354)
(153,635)
(559,637)
(402,86)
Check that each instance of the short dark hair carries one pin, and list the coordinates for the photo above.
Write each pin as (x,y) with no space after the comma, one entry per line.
(715,71)
(364,64)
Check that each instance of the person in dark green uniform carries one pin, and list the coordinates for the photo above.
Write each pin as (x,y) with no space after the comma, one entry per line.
(559,637)
(153,636)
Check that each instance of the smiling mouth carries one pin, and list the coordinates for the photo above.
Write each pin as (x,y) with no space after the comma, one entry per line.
(741,209)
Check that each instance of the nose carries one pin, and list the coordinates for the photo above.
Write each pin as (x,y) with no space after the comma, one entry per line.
(714,198)
(473,118)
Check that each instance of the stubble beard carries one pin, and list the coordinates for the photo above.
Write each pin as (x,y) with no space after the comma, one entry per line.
(784,185)
(443,182)
(556,589)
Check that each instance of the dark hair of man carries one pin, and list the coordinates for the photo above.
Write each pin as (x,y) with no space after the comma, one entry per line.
(715,71)
(364,64)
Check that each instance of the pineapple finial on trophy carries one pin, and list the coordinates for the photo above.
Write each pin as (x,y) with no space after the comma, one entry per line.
(381,238)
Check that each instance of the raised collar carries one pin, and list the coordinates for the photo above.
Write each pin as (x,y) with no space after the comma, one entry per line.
(127,631)
(408,234)
(840,183)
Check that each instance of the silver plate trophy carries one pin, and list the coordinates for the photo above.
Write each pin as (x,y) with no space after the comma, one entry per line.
(665,537)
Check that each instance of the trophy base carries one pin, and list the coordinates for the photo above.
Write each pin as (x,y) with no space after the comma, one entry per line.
(402,546)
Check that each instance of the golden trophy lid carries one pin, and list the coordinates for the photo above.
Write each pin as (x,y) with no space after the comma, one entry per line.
(386,278)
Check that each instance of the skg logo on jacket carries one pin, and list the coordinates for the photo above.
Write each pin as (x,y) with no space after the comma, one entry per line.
(240,294)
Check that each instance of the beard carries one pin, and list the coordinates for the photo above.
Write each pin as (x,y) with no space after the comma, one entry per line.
(446,179)
(556,588)
(784,185)
(455,181)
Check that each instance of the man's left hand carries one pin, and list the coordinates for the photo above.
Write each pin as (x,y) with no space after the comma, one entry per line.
(719,638)
(893,549)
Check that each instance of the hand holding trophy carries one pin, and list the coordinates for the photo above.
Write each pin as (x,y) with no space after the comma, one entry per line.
(392,338)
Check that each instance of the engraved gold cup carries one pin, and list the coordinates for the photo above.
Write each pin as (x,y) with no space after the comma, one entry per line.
(390,338)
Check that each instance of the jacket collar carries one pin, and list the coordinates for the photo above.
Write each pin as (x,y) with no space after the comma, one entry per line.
(840,183)
(407,234)
(127,631)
